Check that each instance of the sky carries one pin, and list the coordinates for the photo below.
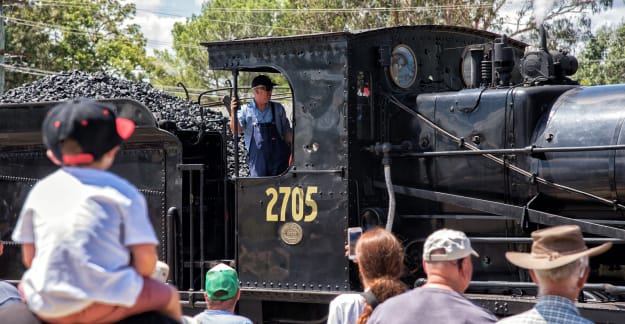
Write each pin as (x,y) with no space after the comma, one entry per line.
(157,17)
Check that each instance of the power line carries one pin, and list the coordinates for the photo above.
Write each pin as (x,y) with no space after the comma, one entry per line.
(26,70)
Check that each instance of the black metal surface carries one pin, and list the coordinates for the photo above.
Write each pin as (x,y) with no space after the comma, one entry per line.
(318,85)
(508,210)
(494,191)
(586,116)
(147,160)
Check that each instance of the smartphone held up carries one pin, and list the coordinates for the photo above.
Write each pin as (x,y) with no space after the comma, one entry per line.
(353,234)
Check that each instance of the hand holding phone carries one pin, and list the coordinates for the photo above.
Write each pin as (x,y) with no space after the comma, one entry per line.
(353,234)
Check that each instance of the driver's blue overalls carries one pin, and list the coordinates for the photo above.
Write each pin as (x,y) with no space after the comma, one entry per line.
(268,154)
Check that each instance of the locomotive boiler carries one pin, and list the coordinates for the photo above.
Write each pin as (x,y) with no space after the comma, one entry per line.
(414,128)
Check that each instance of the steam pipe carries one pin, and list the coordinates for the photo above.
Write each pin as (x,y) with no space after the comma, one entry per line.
(543,38)
(385,149)
(391,195)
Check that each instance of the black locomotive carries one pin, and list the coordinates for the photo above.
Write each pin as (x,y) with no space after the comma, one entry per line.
(413,128)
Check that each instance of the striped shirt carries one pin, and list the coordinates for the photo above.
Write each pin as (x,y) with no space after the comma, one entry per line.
(549,310)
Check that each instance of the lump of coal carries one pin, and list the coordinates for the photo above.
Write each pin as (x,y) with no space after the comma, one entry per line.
(168,110)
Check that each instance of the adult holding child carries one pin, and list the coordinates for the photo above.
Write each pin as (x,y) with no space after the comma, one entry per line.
(86,237)
(380,259)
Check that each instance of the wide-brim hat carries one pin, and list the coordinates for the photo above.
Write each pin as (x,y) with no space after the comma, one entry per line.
(555,247)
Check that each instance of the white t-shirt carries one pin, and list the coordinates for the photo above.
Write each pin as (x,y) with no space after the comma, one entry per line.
(81,221)
(345,309)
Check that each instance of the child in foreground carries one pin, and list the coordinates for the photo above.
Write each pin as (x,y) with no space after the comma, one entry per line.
(86,237)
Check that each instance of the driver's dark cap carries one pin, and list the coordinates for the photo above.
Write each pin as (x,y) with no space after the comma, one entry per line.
(263,80)
(92,124)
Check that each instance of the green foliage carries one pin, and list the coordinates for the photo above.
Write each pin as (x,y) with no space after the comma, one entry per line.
(567,21)
(602,60)
(74,34)
(219,20)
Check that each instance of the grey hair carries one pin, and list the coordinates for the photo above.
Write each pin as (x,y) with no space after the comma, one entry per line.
(572,270)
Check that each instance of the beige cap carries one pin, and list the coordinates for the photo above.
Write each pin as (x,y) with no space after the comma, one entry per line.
(455,244)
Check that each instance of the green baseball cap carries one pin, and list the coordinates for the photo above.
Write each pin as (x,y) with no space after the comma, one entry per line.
(222,282)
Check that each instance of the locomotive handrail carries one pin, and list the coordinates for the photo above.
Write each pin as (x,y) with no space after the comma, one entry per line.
(520,213)
(524,240)
(609,288)
(294,170)
(533,177)
(529,150)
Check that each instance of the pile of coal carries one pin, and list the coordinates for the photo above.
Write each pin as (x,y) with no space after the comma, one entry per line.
(165,107)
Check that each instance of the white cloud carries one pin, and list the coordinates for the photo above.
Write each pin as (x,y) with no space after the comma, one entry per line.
(199,2)
(610,18)
(157,29)
(156,19)
(144,4)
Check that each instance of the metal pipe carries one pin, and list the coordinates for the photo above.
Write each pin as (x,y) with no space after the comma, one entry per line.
(618,290)
(171,213)
(235,77)
(224,161)
(528,240)
(190,178)
(186,92)
(202,238)
(391,198)
(529,150)
(386,160)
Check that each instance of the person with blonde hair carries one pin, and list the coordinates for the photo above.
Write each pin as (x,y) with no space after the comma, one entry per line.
(380,259)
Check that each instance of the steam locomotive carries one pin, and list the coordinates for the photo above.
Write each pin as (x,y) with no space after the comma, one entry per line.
(414,128)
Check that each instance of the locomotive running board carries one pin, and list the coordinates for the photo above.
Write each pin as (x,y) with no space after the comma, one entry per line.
(520,213)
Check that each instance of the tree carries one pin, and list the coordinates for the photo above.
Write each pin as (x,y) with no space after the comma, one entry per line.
(567,20)
(602,60)
(219,20)
(73,34)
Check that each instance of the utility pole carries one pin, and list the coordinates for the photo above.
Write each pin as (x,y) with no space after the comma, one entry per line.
(1,47)
(2,39)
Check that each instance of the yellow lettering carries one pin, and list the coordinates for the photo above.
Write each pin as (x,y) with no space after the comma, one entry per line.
(286,191)
(271,217)
(297,204)
(311,203)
